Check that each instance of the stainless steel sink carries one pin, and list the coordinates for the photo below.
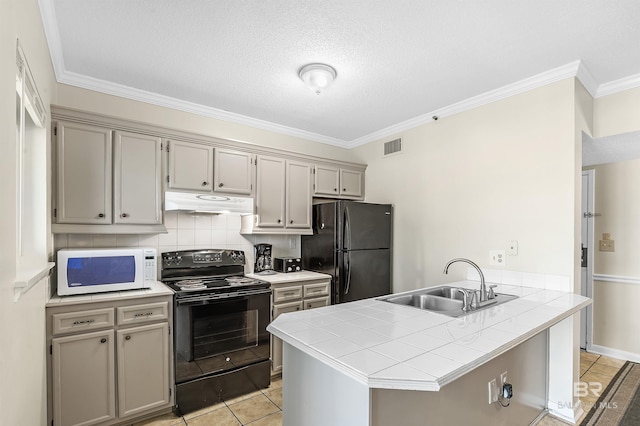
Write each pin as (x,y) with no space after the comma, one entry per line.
(427,301)
(445,300)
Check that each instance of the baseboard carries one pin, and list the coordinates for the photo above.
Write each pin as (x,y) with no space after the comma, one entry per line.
(566,413)
(614,353)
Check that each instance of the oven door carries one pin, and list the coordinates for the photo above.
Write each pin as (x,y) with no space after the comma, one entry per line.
(221,332)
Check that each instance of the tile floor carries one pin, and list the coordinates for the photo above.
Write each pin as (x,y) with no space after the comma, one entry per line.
(261,408)
(264,408)
(593,368)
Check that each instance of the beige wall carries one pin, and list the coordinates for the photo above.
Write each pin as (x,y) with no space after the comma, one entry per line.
(22,353)
(617,113)
(90,101)
(615,198)
(465,184)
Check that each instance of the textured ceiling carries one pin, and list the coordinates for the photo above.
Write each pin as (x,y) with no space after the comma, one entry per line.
(396,60)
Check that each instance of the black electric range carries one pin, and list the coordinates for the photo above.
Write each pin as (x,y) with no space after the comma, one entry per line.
(222,346)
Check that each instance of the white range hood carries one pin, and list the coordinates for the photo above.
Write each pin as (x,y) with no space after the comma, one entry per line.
(204,203)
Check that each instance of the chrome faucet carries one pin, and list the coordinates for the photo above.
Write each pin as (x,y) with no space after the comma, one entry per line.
(483,287)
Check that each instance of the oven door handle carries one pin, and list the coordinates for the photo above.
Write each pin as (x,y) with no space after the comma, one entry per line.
(206,299)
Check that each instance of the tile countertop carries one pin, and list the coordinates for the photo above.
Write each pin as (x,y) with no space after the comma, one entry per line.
(280,277)
(384,345)
(157,289)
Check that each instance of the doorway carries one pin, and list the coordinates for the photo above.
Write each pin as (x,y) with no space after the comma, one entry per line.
(587,243)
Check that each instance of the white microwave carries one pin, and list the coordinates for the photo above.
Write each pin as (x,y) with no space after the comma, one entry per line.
(83,271)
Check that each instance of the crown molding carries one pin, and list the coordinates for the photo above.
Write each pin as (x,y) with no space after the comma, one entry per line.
(587,79)
(191,107)
(534,82)
(620,85)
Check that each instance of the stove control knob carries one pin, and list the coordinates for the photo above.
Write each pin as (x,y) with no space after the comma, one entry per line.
(178,259)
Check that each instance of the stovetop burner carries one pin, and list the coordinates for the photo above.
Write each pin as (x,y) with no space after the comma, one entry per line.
(194,272)
(191,284)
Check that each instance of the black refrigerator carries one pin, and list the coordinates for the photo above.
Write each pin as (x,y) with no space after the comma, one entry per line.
(351,241)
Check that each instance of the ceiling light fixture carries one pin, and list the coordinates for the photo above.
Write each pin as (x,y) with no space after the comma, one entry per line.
(317,76)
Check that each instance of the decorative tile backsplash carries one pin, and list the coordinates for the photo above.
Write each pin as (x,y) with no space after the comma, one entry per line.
(188,231)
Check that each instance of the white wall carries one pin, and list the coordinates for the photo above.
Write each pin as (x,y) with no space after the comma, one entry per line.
(22,353)
(468,183)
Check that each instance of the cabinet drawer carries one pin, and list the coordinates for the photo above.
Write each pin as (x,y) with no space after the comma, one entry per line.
(283,294)
(286,307)
(143,313)
(81,321)
(316,303)
(317,289)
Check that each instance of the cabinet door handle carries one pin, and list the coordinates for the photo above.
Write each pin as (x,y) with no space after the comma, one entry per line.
(127,337)
(335,189)
(297,308)
(100,214)
(279,220)
(103,340)
(291,221)
(344,189)
(124,215)
(220,185)
(205,183)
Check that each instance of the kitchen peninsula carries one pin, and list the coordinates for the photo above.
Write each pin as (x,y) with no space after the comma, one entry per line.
(372,362)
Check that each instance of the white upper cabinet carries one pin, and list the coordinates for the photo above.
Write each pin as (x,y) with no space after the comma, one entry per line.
(270,192)
(327,181)
(351,183)
(137,176)
(233,172)
(190,166)
(335,182)
(298,194)
(283,191)
(84,174)
(107,177)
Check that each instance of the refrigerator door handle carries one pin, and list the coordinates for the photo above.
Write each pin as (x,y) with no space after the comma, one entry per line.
(346,235)
(348,266)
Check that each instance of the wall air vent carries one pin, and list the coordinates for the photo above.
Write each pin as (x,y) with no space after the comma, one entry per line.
(393,146)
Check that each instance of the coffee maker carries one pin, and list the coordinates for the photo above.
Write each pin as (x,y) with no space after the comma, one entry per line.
(264,262)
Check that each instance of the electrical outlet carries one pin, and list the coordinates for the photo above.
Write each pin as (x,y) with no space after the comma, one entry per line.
(493,391)
(292,242)
(512,247)
(497,257)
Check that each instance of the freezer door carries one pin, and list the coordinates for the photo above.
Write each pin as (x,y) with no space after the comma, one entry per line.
(318,250)
(364,226)
(363,274)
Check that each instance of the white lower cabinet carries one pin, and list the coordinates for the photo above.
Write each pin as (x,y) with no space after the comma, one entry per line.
(143,376)
(83,372)
(104,377)
(291,297)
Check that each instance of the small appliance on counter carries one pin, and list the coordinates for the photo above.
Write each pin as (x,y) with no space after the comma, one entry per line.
(263,263)
(288,264)
(98,270)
